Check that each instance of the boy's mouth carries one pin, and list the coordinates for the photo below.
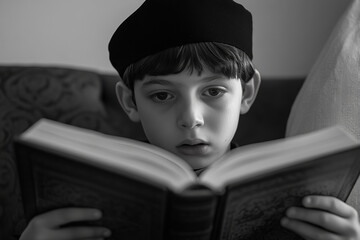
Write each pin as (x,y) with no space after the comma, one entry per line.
(193,147)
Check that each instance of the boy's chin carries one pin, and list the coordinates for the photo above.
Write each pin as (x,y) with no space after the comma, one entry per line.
(200,159)
(199,162)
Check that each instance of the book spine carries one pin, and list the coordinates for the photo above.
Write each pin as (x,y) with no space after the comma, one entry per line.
(191,214)
(351,183)
(27,187)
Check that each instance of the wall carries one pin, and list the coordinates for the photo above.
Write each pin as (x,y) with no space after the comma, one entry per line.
(288,34)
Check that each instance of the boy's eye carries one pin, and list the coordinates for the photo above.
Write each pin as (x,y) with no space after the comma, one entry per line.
(214,92)
(161,96)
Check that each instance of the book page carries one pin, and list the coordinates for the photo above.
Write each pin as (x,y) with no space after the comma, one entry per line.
(112,153)
(257,159)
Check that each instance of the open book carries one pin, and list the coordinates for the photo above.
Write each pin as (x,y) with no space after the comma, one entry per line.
(148,193)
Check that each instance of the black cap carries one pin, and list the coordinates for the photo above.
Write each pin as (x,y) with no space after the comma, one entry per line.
(161,24)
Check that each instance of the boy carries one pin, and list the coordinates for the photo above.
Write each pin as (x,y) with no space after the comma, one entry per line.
(187,76)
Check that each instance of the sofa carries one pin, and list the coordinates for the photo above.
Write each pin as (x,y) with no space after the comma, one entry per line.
(86,98)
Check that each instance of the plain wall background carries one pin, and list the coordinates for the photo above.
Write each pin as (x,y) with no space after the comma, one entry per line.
(288,34)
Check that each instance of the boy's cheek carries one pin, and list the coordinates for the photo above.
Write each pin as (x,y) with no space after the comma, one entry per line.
(159,132)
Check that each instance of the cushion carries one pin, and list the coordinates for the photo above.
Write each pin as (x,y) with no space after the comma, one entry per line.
(331,92)
(26,95)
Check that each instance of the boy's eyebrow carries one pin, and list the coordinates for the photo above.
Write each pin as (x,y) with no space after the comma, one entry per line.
(212,78)
(157,81)
(167,82)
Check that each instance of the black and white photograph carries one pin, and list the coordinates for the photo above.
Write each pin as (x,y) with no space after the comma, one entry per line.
(180,120)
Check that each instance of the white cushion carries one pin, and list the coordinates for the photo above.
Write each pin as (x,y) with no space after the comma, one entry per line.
(331,92)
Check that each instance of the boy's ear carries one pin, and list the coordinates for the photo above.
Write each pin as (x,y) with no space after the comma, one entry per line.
(249,92)
(125,98)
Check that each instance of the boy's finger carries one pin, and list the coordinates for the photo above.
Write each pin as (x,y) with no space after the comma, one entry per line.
(307,231)
(330,204)
(325,220)
(58,217)
(83,233)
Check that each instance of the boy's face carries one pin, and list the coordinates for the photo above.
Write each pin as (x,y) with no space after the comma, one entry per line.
(193,116)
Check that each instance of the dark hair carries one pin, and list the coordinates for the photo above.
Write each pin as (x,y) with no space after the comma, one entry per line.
(217,57)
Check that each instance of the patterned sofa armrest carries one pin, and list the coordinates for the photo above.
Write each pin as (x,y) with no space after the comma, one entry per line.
(27,94)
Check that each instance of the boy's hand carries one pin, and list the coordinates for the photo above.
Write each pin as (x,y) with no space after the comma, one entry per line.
(323,217)
(47,225)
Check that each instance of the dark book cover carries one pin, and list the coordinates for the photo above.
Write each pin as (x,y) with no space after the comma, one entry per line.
(132,208)
(135,207)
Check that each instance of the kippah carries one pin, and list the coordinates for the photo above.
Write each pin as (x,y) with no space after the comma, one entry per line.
(161,24)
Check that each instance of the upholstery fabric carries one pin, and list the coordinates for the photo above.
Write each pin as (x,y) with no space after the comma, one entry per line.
(28,94)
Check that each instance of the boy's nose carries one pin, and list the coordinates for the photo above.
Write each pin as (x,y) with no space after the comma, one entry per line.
(191,117)
(191,123)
